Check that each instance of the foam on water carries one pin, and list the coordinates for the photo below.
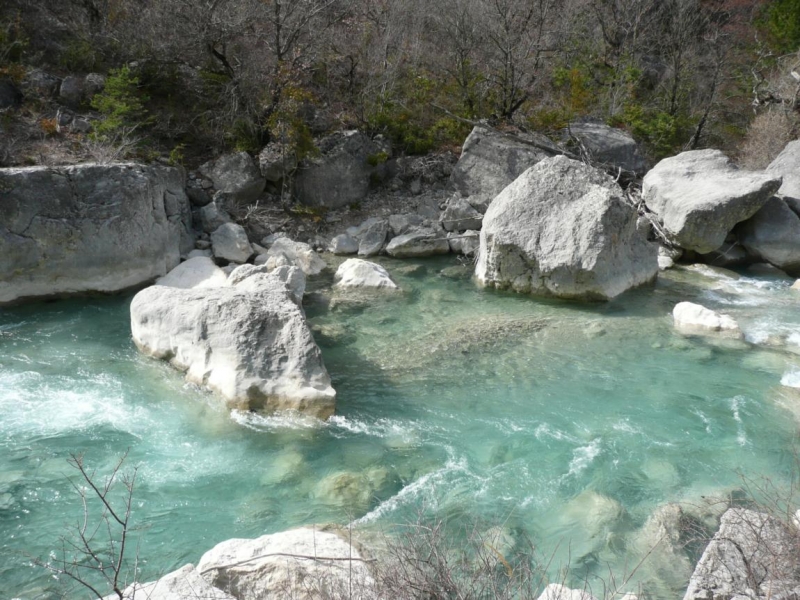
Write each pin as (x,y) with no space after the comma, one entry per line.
(791,379)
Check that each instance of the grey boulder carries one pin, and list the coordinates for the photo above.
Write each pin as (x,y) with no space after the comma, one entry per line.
(564,229)
(249,343)
(609,145)
(467,243)
(400,224)
(235,175)
(700,195)
(753,555)
(459,215)
(300,564)
(89,228)
(343,244)
(357,273)
(787,165)
(340,174)
(276,161)
(371,242)
(773,235)
(490,160)
(72,91)
(294,253)
(418,243)
(229,242)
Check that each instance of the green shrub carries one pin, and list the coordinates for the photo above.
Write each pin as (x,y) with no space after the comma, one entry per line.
(80,55)
(121,104)
(781,21)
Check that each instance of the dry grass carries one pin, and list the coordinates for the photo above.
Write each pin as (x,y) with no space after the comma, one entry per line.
(767,135)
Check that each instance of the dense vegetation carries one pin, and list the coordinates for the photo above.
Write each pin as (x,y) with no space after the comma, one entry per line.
(197,77)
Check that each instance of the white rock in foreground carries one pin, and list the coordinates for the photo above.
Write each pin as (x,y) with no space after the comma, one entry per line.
(556,591)
(298,564)
(183,584)
(195,273)
(250,343)
(693,318)
(564,229)
(357,273)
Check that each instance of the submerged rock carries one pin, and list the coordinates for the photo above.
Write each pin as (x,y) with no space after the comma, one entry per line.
(183,584)
(753,555)
(89,228)
(700,195)
(690,318)
(353,490)
(356,273)
(563,229)
(197,272)
(300,564)
(250,343)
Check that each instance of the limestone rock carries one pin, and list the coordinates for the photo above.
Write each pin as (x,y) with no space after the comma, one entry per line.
(251,277)
(556,591)
(417,243)
(564,229)
(250,344)
(183,584)
(298,254)
(195,273)
(212,216)
(787,165)
(773,235)
(276,161)
(609,145)
(93,84)
(373,239)
(460,215)
(353,490)
(700,195)
(72,92)
(467,243)
(490,160)
(343,244)
(89,228)
(229,242)
(690,318)
(340,174)
(275,566)
(356,273)
(400,224)
(753,555)
(236,176)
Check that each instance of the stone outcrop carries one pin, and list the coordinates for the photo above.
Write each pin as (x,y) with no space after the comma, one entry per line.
(236,176)
(418,243)
(89,228)
(294,253)
(564,229)
(490,160)
(298,564)
(787,166)
(371,242)
(695,319)
(229,242)
(459,215)
(753,555)
(249,342)
(362,274)
(196,273)
(183,584)
(609,145)
(773,235)
(340,174)
(700,195)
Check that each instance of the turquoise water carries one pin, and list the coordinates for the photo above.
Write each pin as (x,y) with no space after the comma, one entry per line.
(568,424)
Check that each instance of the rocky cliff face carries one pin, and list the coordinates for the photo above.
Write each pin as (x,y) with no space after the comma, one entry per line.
(89,228)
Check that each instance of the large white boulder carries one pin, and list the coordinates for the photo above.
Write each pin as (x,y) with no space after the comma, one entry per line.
(700,195)
(89,228)
(564,229)
(753,556)
(250,343)
(298,254)
(183,584)
(300,564)
(197,272)
(491,159)
(357,273)
(692,319)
